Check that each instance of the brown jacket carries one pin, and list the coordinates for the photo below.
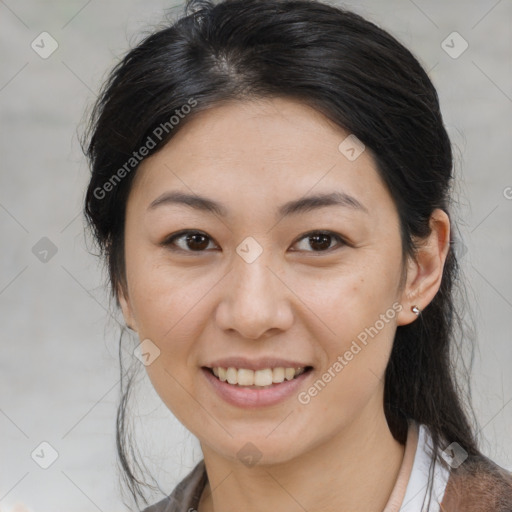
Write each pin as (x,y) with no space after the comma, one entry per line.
(477,485)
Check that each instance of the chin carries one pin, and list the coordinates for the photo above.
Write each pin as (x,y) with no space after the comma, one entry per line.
(259,449)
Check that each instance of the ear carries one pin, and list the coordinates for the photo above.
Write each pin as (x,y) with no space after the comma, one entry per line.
(425,271)
(126,308)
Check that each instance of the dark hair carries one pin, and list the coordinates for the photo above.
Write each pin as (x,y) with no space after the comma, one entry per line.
(362,79)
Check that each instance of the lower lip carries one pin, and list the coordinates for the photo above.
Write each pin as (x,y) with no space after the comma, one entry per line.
(252,398)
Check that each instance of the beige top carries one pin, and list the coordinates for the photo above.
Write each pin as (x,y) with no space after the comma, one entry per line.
(398,493)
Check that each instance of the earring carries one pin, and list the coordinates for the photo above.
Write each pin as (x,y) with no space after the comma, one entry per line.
(416,310)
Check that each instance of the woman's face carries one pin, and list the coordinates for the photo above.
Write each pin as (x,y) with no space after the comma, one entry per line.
(255,281)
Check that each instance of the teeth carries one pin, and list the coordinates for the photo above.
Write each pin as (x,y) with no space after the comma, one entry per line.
(261,377)
(265,377)
(246,377)
(278,375)
(232,376)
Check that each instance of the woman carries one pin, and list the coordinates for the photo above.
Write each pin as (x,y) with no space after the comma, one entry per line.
(271,190)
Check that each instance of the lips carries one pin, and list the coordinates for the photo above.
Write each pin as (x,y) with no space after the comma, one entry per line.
(256,396)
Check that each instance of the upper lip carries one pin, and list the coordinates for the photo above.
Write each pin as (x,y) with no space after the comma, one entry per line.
(255,364)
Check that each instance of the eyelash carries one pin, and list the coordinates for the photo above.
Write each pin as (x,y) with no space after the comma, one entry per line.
(169,241)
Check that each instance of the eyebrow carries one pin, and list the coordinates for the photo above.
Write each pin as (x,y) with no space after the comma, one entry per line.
(302,205)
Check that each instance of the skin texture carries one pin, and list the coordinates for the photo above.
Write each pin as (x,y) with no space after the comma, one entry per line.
(293,301)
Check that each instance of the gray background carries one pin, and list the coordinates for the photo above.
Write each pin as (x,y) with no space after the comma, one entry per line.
(59,371)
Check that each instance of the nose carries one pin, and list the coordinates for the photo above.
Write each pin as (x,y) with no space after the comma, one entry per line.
(255,301)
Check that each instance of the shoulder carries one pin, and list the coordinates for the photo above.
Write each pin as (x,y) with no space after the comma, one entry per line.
(478,485)
(186,494)
(165,505)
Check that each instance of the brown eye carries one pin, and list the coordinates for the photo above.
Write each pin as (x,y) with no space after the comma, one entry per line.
(320,241)
(189,241)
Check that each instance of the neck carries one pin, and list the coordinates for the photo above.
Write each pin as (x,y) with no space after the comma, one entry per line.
(354,470)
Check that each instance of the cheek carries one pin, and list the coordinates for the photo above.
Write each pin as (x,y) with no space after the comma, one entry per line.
(164,297)
(170,309)
(167,303)
(348,299)
(354,320)
(356,360)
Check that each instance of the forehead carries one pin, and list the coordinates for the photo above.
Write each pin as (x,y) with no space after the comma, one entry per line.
(274,150)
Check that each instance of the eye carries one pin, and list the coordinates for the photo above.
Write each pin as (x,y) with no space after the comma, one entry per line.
(321,240)
(197,241)
(189,241)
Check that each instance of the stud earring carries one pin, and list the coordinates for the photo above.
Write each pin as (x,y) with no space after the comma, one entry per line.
(416,310)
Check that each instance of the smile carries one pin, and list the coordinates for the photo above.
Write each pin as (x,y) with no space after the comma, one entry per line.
(251,389)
